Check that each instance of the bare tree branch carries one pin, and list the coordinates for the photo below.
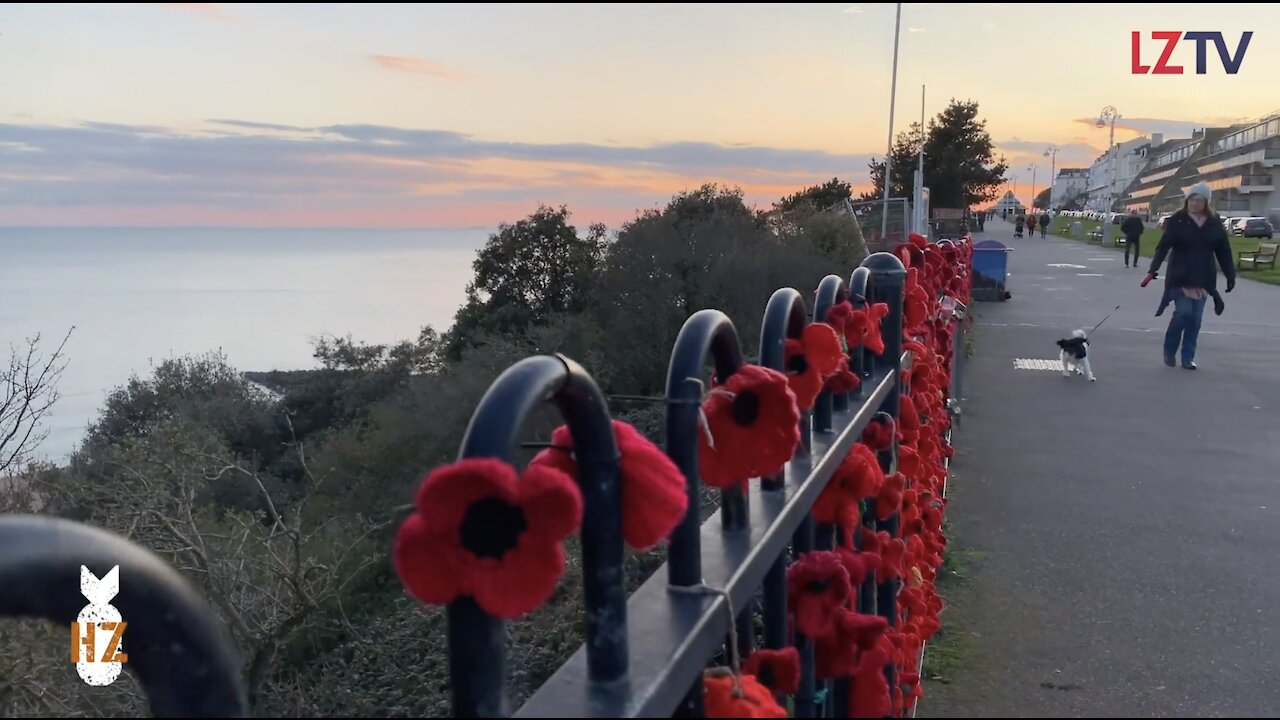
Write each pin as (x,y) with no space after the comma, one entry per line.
(28,391)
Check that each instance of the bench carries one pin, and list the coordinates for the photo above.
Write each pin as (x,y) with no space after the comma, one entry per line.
(1264,255)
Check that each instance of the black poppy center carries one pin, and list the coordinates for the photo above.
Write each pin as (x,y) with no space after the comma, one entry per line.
(816,587)
(797,364)
(746,408)
(492,527)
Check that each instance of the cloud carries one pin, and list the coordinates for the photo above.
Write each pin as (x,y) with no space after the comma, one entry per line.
(1144,126)
(852,10)
(236,168)
(416,65)
(211,11)
(917,30)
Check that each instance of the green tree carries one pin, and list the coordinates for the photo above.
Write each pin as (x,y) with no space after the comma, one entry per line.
(821,197)
(1042,198)
(906,160)
(527,273)
(960,169)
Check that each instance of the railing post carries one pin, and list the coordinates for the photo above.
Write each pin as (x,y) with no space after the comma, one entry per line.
(706,332)
(477,640)
(828,295)
(860,286)
(889,277)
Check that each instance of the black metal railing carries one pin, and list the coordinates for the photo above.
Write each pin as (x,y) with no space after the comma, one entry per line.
(175,644)
(644,655)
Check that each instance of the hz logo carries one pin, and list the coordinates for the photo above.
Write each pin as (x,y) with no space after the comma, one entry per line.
(1230,63)
(99,630)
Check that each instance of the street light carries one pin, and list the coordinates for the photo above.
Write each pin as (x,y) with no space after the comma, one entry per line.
(1109,112)
(1053,178)
(1032,168)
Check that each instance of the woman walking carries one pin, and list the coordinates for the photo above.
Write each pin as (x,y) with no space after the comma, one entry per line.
(1193,239)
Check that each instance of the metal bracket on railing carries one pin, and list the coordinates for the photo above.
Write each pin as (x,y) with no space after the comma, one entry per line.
(177,646)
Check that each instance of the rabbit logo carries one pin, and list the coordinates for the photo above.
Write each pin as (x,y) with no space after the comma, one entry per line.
(99,630)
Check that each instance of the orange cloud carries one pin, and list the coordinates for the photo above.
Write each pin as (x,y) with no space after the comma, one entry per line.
(419,66)
(213,11)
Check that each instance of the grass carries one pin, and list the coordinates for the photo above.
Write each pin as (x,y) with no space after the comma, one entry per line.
(951,648)
(1151,237)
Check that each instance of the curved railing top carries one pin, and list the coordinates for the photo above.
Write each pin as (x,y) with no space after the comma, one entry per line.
(175,644)
(477,639)
(784,317)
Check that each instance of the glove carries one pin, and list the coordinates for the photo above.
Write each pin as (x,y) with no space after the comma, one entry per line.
(1150,277)
(1231,284)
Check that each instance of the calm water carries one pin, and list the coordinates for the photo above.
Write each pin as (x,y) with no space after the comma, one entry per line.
(137,296)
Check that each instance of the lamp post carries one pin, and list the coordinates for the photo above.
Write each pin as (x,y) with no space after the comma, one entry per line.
(1032,205)
(1109,113)
(888,156)
(1051,152)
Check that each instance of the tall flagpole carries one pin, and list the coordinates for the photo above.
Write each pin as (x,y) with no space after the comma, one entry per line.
(920,199)
(888,156)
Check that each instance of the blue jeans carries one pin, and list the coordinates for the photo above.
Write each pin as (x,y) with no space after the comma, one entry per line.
(1184,328)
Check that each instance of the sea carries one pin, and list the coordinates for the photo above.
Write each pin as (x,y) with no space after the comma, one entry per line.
(132,297)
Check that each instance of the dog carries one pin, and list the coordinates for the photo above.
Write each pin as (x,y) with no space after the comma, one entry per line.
(1075,355)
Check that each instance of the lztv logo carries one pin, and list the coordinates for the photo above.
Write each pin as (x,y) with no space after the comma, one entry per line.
(1230,63)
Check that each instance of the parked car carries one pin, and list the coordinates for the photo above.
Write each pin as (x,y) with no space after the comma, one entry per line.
(1257,227)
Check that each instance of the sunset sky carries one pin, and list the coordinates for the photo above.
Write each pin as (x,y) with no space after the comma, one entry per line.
(451,116)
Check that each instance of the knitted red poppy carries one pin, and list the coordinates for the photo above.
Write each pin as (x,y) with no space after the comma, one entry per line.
(839,316)
(754,426)
(869,694)
(749,700)
(878,435)
(479,531)
(811,360)
(844,380)
(908,420)
(654,496)
(817,586)
(858,476)
(778,670)
(858,564)
(836,653)
(889,501)
(864,328)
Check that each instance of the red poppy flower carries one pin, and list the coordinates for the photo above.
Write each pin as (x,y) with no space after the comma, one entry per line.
(858,564)
(869,695)
(835,654)
(654,496)
(749,699)
(878,435)
(889,501)
(864,328)
(817,586)
(811,360)
(478,531)
(778,670)
(908,420)
(918,240)
(839,316)
(754,426)
(909,461)
(844,380)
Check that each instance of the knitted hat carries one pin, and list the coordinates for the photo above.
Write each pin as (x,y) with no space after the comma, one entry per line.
(1200,189)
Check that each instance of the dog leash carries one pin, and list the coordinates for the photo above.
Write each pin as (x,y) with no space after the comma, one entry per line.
(1095,327)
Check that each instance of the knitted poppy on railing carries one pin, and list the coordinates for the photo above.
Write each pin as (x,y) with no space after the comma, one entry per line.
(654,497)
(839,316)
(778,670)
(741,697)
(869,693)
(852,633)
(863,329)
(878,435)
(817,586)
(844,380)
(858,476)
(908,420)
(811,360)
(889,501)
(916,307)
(753,427)
(479,531)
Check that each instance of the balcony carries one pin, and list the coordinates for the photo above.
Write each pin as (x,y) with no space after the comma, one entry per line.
(1271,157)
(1256,183)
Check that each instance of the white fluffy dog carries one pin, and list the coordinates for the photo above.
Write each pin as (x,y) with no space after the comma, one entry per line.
(1075,355)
